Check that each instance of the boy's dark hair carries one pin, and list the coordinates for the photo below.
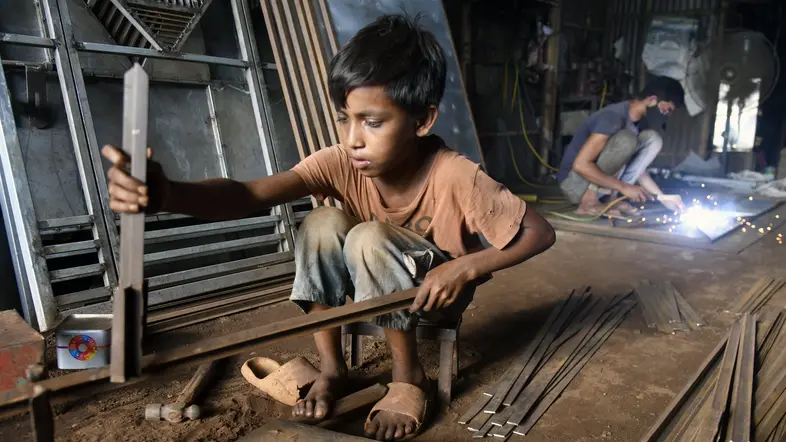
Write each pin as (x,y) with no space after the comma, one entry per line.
(666,89)
(396,53)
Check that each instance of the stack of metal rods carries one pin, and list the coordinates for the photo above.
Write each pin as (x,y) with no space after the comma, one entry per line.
(568,339)
(664,308)
(759,295)
(302,64)
(738,393)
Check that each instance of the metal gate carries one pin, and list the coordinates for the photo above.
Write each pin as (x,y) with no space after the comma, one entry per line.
(210,116)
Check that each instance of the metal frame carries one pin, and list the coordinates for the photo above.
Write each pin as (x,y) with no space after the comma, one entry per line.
(41,305)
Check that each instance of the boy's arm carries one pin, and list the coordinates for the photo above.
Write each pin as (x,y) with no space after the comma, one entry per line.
(444,283)
(213,199)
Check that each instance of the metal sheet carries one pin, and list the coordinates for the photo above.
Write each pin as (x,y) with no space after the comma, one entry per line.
(21,17)
(180,131)
(240,139)
(49,158)
(180,71)
(455,124)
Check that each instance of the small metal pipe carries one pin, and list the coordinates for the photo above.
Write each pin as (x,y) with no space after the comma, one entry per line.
(101,48)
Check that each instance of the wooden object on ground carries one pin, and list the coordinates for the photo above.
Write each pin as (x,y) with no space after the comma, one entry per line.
(664,308)
(130,304)
(20,347)
(565,343)
(224,346)
(288,431)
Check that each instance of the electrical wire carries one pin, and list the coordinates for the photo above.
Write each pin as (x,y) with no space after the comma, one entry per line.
(603,95)
(590,218)
(526,137)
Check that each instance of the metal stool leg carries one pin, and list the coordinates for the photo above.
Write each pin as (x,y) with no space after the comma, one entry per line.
(445,381)
(355,350)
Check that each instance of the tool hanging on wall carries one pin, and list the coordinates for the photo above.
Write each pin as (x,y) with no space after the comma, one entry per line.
(130,298)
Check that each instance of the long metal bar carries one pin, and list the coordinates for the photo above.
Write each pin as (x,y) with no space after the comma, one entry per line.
(222,282)
(76,272)
(20,218)
(26,40)
(223,346)
(59,223)
(177,233)
(218,140)
(130,303)
(742,399)
(259,102)
(100,293)
(70,249)
(190,275)
(212,249)
(101,48)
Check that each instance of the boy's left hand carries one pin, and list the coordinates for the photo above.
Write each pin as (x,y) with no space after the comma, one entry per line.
(441,286)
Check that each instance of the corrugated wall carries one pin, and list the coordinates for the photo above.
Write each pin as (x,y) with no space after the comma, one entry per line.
(630,19)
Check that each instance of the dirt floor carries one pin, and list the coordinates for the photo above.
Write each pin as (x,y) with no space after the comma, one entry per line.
(615,397)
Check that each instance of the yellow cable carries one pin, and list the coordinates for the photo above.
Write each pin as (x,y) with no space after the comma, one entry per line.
(603,95)
(590,218)
(526,137)
(515,89)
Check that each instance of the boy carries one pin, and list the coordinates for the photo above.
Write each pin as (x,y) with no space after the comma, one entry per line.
(413,213)
(612,149)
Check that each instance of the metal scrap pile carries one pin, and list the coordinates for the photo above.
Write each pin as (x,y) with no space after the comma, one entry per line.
(568,339)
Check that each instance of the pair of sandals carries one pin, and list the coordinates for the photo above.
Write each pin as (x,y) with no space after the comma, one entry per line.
(286,384)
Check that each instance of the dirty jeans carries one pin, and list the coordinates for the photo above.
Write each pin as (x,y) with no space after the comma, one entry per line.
(625,155)
(338,257)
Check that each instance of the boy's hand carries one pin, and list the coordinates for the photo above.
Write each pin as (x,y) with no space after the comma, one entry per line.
(637,194)
(129,195)
(441,286)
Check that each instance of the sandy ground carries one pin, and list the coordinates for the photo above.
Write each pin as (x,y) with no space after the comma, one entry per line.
(615,397)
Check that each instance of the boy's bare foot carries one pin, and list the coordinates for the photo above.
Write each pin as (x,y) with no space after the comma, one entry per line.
(386,425)
(318,403)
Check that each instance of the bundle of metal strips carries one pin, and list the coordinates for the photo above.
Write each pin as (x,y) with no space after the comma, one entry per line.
(568,339)
(302,66)
(759,295)
(738,393)
(664,308)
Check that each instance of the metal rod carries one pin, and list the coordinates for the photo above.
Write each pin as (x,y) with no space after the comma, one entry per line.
(71,249)
(189,275)
(26,40)
(85,296)
(177,233)
(129,304)
(101,48)
(212,249)
(222,282)
(73,221)
(76,272)
(223,346)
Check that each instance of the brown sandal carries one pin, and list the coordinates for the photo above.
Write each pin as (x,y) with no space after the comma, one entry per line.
(407,400)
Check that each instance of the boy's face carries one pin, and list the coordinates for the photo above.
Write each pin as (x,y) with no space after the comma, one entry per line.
(377,134)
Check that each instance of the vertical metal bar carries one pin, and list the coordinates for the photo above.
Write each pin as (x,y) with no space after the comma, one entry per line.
(550,88)
(84,160)
(218,140)
(129,304)
(59,10)
(259,101)
(19,212)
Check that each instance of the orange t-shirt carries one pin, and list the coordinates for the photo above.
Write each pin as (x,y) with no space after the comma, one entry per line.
(457,203)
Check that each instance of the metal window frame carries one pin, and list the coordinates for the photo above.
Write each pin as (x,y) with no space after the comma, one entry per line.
(25,230)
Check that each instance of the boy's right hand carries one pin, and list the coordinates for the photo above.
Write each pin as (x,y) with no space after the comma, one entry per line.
(637,194)
(129,195)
